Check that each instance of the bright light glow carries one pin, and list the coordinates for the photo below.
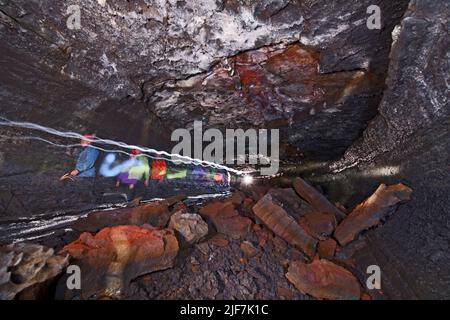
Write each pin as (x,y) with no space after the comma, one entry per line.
(247,180)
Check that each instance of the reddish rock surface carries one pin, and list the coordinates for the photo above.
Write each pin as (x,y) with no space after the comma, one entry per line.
(249,249)
(219,240)
(327,248)
(288,199)
(226,219)
(156,214)
(283,225)
(323,279)
(319,225)
(316,199)
(113,257)
(370,213)
(237,198)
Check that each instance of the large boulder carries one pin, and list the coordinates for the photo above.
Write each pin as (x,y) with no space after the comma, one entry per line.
(371,212)
(323,279)
(25,266)
(113,257)
(190,226)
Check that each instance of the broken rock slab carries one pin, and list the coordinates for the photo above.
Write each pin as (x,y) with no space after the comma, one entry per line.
(283,225)
(327,248)
(288,199)
(190,226)
(226,219)
(156,214)
(114,256)
(370,213)
(319,225)
(323,279)
(25,266)
(317,200)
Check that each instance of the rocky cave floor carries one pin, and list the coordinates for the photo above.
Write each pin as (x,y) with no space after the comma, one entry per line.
(261,242)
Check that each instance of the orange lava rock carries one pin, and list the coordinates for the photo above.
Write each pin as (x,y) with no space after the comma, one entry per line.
(327,248)
(365,296)
(219,241)
(283,225)
(114,256)
(248,249)
(226,219)
(316,199)
(369,213)
(156,214)
(323,279)
(319,225)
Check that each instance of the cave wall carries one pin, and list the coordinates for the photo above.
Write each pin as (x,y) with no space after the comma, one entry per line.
(301,66)
(409,142)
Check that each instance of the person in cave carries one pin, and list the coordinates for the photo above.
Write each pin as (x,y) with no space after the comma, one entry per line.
(137,171)
(85,166)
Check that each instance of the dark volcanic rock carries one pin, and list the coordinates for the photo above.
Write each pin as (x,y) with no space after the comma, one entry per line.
(299,65)
(418,82)
(27,270)
(219,272)
(371,212)
(408,142)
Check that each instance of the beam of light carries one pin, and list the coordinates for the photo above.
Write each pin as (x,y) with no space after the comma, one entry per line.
(73,135)
(247,180)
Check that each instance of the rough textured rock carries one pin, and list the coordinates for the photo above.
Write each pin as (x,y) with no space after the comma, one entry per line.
(282,224)
(408,142)
(304,65)
(417,86)
(156,214)
(323,279)
(327,248)
(24,266)
(317,200)
(226,219)
(190,226)
(217,272)
(319,225)
(290,202)
(113,257)
(371,212)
